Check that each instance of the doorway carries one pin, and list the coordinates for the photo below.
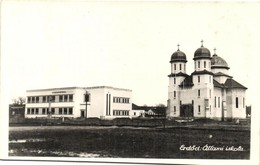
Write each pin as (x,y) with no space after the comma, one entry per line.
(186,110)
(82,114)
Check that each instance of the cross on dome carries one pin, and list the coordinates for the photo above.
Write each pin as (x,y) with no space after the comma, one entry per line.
(215,50)
(201,43)
(178,47)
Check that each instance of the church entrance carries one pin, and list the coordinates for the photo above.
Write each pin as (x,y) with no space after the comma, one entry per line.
(186,110)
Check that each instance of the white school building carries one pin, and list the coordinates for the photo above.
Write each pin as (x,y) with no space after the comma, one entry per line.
(103,102)
(208,92)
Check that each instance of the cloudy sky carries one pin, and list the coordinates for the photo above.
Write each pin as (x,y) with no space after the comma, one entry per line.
(46,44)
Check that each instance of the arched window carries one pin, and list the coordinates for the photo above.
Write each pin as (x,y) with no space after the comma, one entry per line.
(236,102)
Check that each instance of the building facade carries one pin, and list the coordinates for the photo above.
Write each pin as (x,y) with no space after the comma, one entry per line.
(208,92)
(102,102)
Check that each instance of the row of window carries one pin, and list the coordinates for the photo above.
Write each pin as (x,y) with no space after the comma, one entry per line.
(54,111)
(120,100)
(175,94)
(205,64)
(52,98)
(120,113)
(180,66)
(217,100)
(199,111)
(210,77)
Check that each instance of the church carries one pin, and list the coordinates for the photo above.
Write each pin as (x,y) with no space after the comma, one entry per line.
(208,92)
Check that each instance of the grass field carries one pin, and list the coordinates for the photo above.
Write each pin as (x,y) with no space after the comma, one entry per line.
(128,142)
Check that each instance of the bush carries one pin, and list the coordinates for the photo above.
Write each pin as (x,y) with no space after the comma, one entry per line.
(122,122)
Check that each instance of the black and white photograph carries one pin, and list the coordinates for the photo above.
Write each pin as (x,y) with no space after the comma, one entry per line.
(130,82)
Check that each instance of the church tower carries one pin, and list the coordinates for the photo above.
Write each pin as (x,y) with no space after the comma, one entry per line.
(202,79)
(220,68)
(178,74)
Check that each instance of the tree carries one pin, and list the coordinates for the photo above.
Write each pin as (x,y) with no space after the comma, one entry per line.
(19,101)
(160,105)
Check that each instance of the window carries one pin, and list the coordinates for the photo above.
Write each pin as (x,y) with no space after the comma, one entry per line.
(174,80)
(28,110)
(36,111)
(29,99)
(204,64)
(32,112)
(198,93)
(198,79)
(174,94)
(44,99)
(180,66)
(219,102)
(65,111)
(134,113)
(174,109)
(65,98)
(60,111)
(236,102)
(210,93)
(198,109)
(37,99)
(51,98)
(243,102)
(43,111)
(87,97)
(215,104)
(33,99)
(70,111)
(192,102)
(121,113)
(52,110)
(198,64)
(61,98)
(121,100)
(174,66)
(70,98)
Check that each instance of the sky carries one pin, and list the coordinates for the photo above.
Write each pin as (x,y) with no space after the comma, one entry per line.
(50,44)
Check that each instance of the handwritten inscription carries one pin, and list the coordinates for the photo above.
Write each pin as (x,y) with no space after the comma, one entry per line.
(210,148)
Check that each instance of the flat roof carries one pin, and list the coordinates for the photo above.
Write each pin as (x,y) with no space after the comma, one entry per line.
(84,88)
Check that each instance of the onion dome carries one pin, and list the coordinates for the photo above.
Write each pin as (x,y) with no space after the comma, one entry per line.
(178,56)
(218,62)
(202,52)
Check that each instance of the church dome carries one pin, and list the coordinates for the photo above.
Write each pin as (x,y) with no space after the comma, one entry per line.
(202,52)
(218,62)
(178,56)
